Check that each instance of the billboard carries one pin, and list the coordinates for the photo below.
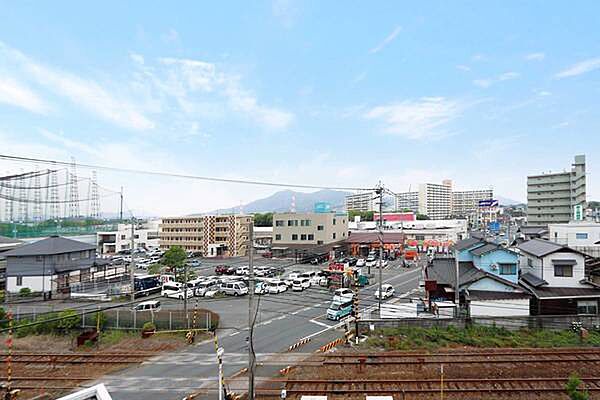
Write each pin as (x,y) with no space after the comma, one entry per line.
(578,213)
(488,203)
(322,207)
(494,226)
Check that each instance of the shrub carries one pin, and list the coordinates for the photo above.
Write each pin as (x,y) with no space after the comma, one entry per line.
(572,388)
(99,316)
(25,292)
(2,296)
(149,326)
(69,320)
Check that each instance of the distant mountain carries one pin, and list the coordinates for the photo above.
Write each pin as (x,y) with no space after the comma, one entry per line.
(282,201)
(504,201)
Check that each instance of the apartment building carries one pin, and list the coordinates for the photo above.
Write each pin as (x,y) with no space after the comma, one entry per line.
(435,200)
(364,201)
(309,229)
(552,197)
(407,201)
(211,235)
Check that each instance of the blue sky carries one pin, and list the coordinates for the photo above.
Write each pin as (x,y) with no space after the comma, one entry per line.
(327,93)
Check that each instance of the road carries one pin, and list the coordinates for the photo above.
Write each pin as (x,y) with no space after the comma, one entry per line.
(282,321)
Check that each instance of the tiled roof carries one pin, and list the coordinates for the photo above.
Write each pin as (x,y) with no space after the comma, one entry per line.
(485,249)
(567,292)
(50,246)
(468,243)
(443,270)
(533,280)
(541,247)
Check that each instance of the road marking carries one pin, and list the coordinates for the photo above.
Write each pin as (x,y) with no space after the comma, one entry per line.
(279,318)
(267,322)
(295,312)
(320,323)
(234,333)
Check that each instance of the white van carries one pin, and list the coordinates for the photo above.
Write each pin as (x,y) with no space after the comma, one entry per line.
(241,270)
(234,288)
(276,286)
(203,287)
(151,305)
(311,275)
(300,284)
(174,290)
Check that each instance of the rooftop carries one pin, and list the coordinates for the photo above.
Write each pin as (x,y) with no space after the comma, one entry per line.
(50,246)
(541,247)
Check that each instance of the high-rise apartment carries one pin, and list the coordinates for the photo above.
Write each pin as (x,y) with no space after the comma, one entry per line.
(551,197)
(465,203)
(364,201)
(435,200)
(407,201)
(211,235)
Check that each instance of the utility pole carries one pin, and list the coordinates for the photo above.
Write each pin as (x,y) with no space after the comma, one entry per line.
(121,209)
(457,284)
(185,293)
(379,191)
(251,313)
(132,264)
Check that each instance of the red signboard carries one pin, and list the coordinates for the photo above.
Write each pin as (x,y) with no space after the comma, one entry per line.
(430,286)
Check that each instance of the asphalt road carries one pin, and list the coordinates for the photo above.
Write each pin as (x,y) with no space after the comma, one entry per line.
(283,319)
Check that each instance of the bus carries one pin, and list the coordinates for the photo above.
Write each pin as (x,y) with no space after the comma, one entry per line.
(145,285)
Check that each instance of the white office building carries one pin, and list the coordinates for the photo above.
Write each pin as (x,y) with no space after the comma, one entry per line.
(145,235)
(582,236)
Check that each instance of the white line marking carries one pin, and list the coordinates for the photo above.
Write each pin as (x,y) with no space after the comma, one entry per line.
(320,323)
(234,333)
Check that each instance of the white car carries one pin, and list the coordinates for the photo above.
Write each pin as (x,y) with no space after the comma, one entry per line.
(241,270)
(175,291)
(300,284)
(293,275)
(275,287)
(384,264)
(342,295)
(311,276)
(387,290)
(371,262)
(260,288)
(361,262)
(202,288)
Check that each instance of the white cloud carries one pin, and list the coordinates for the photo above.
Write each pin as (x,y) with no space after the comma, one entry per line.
(18,95)
(84,93)
(535,56)
(487,82)
(417,119)
(388,39)
(579,68)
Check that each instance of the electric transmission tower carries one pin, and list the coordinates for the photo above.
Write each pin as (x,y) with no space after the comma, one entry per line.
(95,198)
(23,197)
(37,197)
(9,205)
(73,191)
(54,205)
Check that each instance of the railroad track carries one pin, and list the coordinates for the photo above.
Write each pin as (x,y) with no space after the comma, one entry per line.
(342,387)
(79,358)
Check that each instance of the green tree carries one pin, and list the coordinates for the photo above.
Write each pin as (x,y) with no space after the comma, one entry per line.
(422,217)
(572,388)
(175,259)
(155,269)
(364,215)
(265,219)
(24,292)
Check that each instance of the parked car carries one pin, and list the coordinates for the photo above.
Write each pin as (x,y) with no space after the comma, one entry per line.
(234,288)
(194,263)
(175,290)
(261,270)
(150,305)
(387,290)
(311,276)
(222,270)
(206,286)
(260,288)
(243,270)
(339,309)
(276,287)
(294,274)
(371,261)
(342,295)
(300,284)
(361,262)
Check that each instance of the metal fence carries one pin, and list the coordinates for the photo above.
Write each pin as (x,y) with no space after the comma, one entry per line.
(163,319)
(556,322)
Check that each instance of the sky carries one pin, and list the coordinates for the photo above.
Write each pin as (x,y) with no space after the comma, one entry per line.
(320,93)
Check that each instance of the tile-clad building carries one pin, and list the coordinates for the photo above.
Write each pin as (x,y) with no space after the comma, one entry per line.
(551,198)
(211,235)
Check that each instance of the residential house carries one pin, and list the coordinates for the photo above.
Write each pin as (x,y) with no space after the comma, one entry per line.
(50,264)
(555,275)
(6,244)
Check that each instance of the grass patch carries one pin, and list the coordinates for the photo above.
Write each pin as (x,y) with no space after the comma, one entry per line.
(409,338)
(112,337)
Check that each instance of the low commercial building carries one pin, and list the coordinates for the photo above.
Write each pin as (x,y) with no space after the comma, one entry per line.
(49,265)
(145,236)
(360,243)
(210,235)
(302,230)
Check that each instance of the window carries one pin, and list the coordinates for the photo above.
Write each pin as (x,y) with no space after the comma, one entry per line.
(565,271)
(319,242)
(290,222)
(529,263)
(278,237)
(508,269)
(122,237)
(419,237)
(587,307)
(303,237)
(581,236)
(19,281)
(294,237)
(279,222)
(334,221)
(320,227)
(311,236)
(39,258)
(333,235)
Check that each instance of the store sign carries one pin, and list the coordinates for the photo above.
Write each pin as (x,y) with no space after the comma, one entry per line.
(578,213)
(488,203)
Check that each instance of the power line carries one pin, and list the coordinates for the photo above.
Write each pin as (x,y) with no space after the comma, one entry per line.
(176,175)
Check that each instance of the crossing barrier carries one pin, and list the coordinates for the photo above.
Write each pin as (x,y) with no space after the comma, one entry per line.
(331,345)
(300,343)
(286,370)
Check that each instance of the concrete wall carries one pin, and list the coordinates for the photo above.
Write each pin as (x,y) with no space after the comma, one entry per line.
(500,308)
(35,283)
